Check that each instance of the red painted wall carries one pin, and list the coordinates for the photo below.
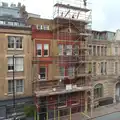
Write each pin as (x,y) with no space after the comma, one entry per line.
(52,101)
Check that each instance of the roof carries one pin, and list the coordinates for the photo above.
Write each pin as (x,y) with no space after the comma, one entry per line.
(11,19)
(15,27)
(104,31)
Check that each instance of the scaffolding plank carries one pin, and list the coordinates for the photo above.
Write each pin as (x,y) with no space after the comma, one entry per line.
(71,7)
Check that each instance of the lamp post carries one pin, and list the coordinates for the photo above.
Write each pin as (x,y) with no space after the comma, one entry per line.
(14,106)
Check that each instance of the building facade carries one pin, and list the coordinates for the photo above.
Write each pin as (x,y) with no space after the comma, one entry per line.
(16,50)
(15,42)
(67,67)
(60,80)
(104,65)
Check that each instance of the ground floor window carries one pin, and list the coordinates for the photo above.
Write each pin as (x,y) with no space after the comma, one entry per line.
(98,90)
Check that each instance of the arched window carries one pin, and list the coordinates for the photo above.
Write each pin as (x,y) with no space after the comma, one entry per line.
(98,91)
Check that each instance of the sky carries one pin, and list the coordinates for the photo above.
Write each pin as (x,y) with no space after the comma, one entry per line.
(105,13)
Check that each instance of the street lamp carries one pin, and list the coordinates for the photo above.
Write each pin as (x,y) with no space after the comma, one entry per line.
(14,102)
(14,106)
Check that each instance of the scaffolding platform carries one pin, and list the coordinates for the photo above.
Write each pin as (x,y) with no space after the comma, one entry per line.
(63,20)
(49,92)
(71,7)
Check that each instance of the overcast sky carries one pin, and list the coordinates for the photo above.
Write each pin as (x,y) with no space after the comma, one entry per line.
(105,13)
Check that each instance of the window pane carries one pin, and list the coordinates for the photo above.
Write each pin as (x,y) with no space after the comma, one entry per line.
(68,49)
(10,87)
(1,22)
(98,91)
(46,27)
(39,46)
(19,86)
(42,73)
(11,41)
(16,23)
(70,71)
(39,49)
(45,52)
(46,47)
(19,64)
(60,48)
(94,68)
(10,64)
(62,71)
(102,67)
(10,23)
(76,50)
(40,27)
(39,52)
(42,70)
(89,68)
(18,42)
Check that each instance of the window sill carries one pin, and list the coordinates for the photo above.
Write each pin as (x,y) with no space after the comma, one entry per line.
(43,79)
(39,55)
(46,55)
(15,71)
(60,54)
(15,49)
(19,93)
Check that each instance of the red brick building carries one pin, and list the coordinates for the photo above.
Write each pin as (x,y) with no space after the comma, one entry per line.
(60,83)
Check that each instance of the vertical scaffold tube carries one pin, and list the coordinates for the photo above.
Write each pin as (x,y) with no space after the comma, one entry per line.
(70,114)
(58,114)
(54,114)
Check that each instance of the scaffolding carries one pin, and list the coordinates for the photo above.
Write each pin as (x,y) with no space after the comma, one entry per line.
(70,91)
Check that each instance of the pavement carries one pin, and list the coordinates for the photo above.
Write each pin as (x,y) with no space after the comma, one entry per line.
(108,112)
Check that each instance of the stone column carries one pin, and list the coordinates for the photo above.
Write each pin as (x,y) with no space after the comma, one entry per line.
(114,93)
(86,102)
(96,51)
(100,50)
(92,50)
(92,101)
